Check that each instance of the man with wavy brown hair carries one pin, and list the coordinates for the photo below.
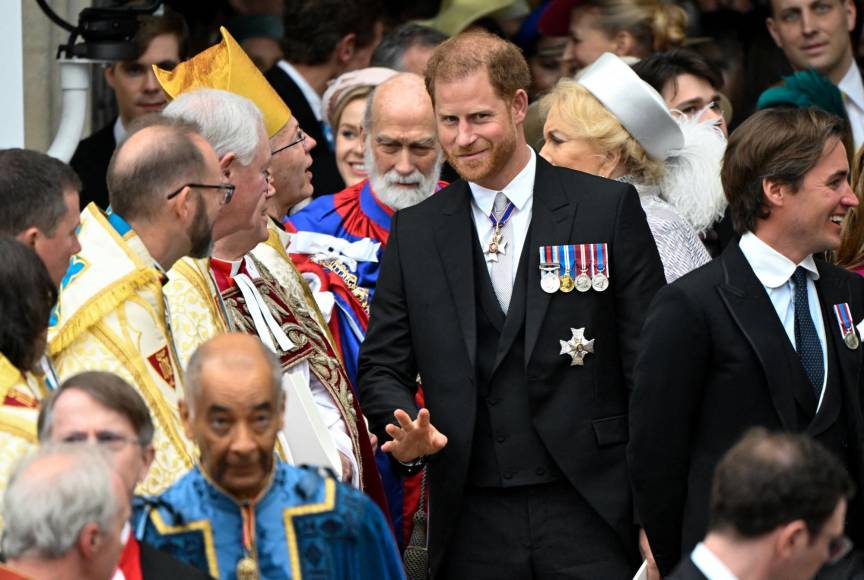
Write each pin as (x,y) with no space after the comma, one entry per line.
(525,383)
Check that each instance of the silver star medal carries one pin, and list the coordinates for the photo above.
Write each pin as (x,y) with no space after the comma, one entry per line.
(496,246)
(577,347)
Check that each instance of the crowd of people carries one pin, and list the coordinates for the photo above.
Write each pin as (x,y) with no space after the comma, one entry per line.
(526,290)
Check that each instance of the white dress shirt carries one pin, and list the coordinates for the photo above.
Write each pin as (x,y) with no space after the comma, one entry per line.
(774,271)
(120,132)
(709,564)
(521,192)
(312,96)
(853,100)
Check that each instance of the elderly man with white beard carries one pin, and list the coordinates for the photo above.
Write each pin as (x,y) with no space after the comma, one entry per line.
(345,234)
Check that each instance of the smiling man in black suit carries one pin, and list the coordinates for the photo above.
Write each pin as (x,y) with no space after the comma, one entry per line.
(517,293)
(765,335)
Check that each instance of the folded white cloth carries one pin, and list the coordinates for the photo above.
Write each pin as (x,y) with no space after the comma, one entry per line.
(324,247)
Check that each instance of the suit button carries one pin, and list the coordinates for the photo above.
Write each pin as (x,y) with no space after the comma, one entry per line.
(540,471)
(508,475)
(492,401)
(501,438)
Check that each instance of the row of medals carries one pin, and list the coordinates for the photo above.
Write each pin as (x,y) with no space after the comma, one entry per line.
(551,282)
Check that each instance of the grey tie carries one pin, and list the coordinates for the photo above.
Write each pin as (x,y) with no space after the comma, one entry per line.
(501,271)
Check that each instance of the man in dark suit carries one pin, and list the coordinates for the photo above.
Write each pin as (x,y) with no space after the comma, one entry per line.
(762,336)
(160,40)
(777,507)
(527,384)
(323,39)
(101,408)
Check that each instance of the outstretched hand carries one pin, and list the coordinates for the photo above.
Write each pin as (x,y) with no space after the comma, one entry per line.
(413,439)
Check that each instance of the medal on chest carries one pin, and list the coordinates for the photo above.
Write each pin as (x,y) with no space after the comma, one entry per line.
(599,267)
(497,246)
(578,347)
(549,269)
(567,282)
(847,327)
(583,280)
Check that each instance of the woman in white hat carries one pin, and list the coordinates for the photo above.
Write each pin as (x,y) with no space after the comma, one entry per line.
(611,123)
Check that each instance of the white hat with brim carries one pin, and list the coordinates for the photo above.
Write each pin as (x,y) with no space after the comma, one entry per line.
(637,106)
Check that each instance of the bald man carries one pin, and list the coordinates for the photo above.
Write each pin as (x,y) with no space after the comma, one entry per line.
(403,159)
(253,505)
(166,191)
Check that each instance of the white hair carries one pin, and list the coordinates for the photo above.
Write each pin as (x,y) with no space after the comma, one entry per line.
(229,122)
(386,186)
(45,511)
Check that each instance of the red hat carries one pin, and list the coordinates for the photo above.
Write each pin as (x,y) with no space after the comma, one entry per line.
(555,20)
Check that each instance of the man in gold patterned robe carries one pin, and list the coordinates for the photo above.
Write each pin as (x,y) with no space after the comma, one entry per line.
(166,189)
(284,306)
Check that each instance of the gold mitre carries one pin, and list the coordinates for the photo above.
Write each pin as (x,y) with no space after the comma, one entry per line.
(226,66)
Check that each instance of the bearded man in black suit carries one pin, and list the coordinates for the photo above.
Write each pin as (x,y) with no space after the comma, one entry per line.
(517,294)
(765,335)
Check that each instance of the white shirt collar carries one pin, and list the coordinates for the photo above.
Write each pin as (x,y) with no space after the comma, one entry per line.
(119,132)
(519,190)
(852,85)
(710,565)
(312,96)
(771,267)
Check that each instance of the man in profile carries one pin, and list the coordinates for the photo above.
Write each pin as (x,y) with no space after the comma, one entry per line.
(778,503)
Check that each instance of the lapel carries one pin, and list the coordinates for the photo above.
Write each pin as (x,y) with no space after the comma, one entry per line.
(753,313)
(833,288)
(551,221)
(454,239)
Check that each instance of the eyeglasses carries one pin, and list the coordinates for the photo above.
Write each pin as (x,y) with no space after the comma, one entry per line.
(300,139)
(228,188)
(838,548)
(107,439)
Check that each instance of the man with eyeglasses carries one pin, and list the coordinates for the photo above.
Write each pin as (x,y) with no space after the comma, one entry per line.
(778,503)
(112,313)
(249,281)
(101,408)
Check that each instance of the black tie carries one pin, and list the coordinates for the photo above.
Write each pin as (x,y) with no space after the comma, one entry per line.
(806,339)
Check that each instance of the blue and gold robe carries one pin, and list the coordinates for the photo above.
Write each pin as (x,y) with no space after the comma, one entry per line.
(306,526)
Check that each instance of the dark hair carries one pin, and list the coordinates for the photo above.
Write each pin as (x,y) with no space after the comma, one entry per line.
(313,28)
(779,144)
(665,67)
(466,53)
(139,181)
(770,479)
(149,27)
(391,52)
(32,191)
(108,390)
(27,295)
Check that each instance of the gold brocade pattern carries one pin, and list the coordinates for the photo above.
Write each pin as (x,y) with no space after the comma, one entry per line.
(108,325)
(196,316)
(311,344)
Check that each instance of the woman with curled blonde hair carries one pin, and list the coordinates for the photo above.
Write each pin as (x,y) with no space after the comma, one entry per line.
(626,28)
(612,124)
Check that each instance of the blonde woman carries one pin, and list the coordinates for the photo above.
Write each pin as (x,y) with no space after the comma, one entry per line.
(612,124)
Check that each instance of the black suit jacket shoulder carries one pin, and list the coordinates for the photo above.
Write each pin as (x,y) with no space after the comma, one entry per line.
(423,320)
(157,565)
(90,161)
(325,175)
